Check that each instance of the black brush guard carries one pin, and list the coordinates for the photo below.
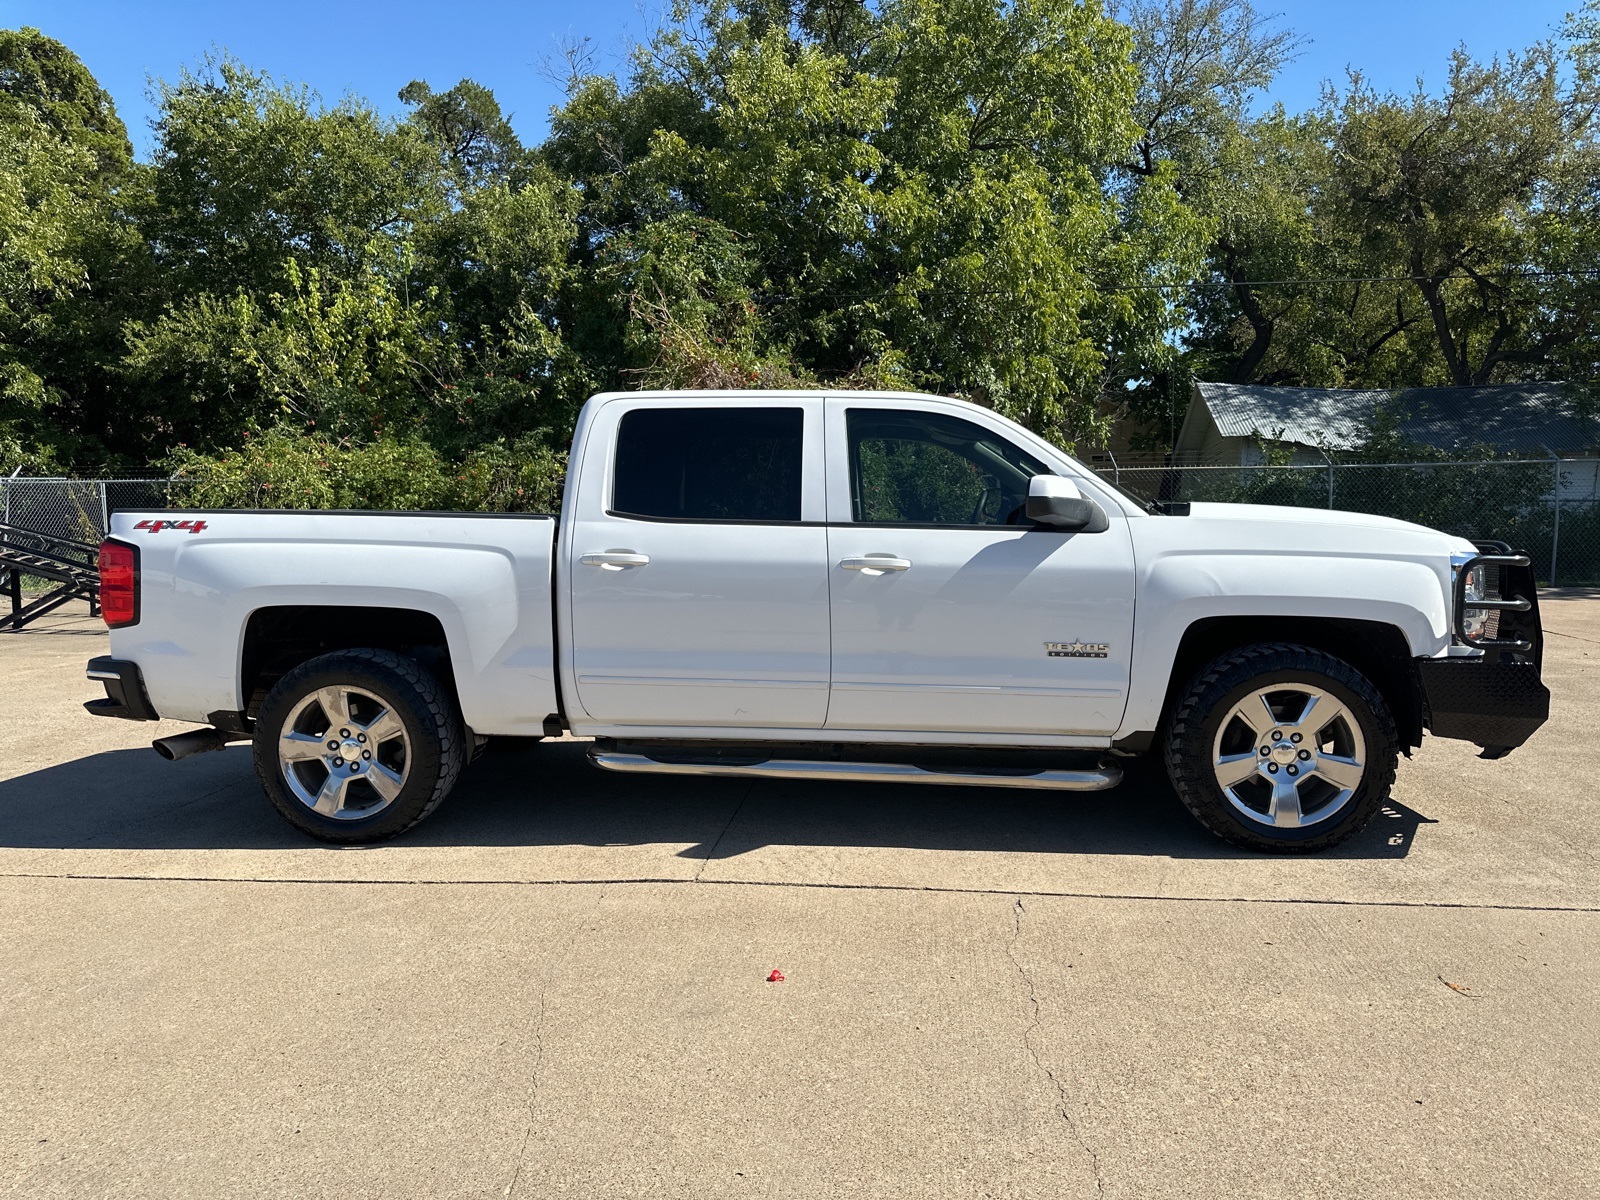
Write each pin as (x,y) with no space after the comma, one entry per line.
(1497,699)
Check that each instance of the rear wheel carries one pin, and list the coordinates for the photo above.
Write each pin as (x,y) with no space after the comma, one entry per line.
(358,745)
(1282,748)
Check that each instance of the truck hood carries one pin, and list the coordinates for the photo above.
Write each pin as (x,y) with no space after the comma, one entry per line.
(1282,526)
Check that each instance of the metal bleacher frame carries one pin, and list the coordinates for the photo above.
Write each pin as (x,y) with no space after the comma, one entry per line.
(70,567)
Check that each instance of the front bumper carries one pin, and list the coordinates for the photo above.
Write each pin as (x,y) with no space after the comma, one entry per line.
(1498,705)
(1497,697)
(125,695)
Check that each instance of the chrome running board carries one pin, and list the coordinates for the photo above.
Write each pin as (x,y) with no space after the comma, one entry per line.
(1091,780)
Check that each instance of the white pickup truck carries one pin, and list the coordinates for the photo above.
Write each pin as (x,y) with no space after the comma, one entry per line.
(826,586)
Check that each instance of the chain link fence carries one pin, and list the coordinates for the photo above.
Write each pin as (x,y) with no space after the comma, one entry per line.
(1550,507)
(78,509)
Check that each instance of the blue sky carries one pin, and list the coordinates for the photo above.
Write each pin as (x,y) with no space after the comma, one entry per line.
(374,49)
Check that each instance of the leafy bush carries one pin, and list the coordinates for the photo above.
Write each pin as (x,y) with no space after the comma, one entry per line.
(31,461)
(285,469)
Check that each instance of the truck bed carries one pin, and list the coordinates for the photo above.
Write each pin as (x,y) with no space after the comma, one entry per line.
(485,577)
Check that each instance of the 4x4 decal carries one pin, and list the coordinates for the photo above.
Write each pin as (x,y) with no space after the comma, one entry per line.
(158,526)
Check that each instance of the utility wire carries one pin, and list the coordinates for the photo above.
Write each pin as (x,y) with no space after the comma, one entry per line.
(1566,273)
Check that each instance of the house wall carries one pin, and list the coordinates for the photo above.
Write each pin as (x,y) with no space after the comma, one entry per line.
(1200,443)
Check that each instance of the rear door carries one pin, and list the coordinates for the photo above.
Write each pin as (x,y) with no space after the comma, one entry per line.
(697,562)
(973,620)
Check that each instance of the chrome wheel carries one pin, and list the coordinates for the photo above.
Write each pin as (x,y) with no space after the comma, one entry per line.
(1289,755)
(344,753)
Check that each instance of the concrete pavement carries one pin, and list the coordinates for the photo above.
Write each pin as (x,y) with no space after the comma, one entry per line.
(556,985)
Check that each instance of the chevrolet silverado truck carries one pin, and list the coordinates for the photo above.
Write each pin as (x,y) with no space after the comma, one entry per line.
(805,585)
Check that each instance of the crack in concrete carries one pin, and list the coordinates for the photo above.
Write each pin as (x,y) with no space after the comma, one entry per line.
(680,881)
(1063,1100)
(732,817)
(533,1094)
(535,1033)
(1573,636)
(1582,851)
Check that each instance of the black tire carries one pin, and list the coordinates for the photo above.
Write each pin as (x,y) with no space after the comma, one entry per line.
(435,741)
(1208,700)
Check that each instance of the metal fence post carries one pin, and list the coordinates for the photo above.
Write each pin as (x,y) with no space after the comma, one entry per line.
(1555,532)
(105,515)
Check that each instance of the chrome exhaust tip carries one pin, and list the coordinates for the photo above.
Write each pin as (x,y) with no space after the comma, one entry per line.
(194,741)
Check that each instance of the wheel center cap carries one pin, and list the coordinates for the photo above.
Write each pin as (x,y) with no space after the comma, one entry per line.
(1283,754)
(351,751)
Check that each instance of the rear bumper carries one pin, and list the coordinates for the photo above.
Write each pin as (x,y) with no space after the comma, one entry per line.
(1497,704)
(125,695)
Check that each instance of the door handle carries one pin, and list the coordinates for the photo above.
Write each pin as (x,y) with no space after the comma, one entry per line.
(615,560)
(876,564)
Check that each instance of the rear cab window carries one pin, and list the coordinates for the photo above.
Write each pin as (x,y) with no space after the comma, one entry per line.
(709,464)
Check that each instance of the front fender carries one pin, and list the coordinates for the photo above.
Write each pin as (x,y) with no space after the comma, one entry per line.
(1179,589)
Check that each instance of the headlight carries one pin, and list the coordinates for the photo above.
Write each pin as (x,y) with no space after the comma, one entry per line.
(1483,582)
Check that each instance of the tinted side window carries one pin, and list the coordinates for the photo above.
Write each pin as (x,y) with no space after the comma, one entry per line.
(930,469)
(710,464)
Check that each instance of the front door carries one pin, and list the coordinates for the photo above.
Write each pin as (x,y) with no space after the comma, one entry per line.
(697,563)
(950,612)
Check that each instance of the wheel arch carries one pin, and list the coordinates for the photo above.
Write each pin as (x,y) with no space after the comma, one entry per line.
(278,638)
(1379,651)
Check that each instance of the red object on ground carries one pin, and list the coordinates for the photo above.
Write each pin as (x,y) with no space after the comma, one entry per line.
(776,976)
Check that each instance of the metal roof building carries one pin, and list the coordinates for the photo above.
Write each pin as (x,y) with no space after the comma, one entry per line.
(1226,423)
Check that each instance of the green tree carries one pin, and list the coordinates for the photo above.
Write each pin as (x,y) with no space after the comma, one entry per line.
(918,193)
(68,261)
(1201,65)
(248,173)
(40,189)
(40,78)
(472,135)
(1424,239)
(1469,195)
(498,266)
(326,268)
(1029,203)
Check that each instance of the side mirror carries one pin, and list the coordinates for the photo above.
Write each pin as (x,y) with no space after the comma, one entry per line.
(1057,502)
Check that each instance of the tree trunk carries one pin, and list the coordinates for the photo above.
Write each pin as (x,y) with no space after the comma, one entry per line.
(1262,326)
(1460,375)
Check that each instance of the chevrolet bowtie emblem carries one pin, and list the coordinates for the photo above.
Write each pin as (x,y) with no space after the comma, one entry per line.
(1077,649)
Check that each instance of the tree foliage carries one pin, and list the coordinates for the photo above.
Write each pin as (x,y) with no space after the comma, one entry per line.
(1427,238)
(1057,211)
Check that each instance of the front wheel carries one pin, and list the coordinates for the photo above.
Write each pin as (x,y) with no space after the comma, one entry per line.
(358,745)
(1282,748)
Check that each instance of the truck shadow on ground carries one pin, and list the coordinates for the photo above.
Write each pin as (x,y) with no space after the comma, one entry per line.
(548,795)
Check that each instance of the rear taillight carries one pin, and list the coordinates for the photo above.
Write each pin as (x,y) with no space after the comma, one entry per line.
(119,583)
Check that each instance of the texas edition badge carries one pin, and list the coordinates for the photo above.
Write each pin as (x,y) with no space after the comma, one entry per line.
(1077,649)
